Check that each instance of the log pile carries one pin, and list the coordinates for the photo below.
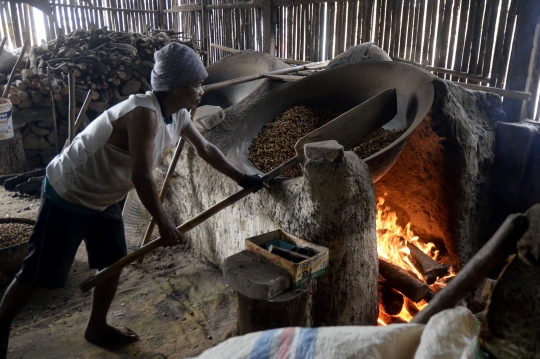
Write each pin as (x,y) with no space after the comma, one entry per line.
(112,64)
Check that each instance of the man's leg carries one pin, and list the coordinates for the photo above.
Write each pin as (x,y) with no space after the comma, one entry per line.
(105,244)
(97,329)
(15,299)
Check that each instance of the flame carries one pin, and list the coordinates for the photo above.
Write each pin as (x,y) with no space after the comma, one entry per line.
(392,242)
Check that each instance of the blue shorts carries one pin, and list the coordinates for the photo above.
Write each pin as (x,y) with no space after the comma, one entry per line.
(57,235)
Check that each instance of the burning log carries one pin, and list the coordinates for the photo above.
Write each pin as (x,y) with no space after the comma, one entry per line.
(391,300)
(491,254)
(403,281)
(430,268)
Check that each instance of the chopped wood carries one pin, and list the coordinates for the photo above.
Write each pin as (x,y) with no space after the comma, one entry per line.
(23,96)
(403,281)
(391,300)
(15,100)
(430,268)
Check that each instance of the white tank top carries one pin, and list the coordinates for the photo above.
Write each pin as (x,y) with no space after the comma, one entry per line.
(95,174)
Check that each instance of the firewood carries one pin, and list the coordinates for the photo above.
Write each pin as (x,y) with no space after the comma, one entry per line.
(35,51)
(144,70)
(391,300)
(117,98)
(44,90)
(15,100)
(63,107)
(24,104)
(20,85)
(430,268)
(36,83)
(60,99)
(55,86)
(98,106)
(46,101)
(403,281)
(23,96)
(131,87)
(27,74)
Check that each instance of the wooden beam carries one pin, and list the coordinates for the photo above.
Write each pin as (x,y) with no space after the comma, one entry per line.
(101,8)
(269,39)
(444,70)
(198,7)
(513,94)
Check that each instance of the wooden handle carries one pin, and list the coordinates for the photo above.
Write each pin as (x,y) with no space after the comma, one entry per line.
(239,80)
(483,262)
(106,273)
(15,68)
(82,111)
(165,186)
(3,44)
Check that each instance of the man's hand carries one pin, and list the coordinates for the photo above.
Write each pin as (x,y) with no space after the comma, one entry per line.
(250,181)
(170,236)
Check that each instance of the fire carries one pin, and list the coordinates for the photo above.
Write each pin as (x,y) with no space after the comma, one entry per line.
(392,242)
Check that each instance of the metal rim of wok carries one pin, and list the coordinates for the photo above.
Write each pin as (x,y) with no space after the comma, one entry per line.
(340,89)
(239,64)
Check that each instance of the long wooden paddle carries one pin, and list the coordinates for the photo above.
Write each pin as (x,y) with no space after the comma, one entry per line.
(165,186)
(348,129)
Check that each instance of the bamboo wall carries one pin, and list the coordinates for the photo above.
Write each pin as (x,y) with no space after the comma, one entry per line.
(471,36)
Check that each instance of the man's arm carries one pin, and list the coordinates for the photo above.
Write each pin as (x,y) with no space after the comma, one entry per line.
(141,129)
(211,154)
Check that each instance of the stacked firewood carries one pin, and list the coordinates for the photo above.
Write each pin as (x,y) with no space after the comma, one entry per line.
(107,65)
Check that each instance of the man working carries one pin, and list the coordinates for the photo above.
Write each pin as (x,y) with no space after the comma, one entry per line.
(83,185)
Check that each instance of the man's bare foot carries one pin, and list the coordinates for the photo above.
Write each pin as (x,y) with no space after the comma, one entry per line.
(110,334)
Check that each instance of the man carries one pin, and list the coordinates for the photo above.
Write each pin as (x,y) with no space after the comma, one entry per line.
(85,183)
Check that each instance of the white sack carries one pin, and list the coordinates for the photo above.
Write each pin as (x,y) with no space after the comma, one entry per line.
(398,341)
(450,334)
(447,335)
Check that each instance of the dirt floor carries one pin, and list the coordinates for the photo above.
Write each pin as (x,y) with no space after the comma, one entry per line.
(178,303)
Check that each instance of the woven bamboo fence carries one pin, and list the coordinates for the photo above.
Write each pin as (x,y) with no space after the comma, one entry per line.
(471,39)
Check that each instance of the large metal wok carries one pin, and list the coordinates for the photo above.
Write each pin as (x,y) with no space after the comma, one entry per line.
(339,90)
(237,65)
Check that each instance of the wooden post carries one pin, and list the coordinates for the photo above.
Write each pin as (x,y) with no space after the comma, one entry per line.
(15,19)
(522,62)
(3,44)
(499,43)
(529,109)
(461,36)
(72,107)
(163,18)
